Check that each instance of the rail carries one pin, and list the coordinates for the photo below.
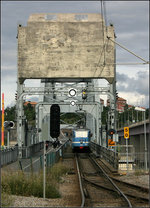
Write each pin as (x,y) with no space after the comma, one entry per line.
(80,183)
(110,156)
(111,181)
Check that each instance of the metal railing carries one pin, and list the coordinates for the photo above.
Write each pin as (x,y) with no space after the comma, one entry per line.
(136,161)
(9,155)
(29,151)
(107,154)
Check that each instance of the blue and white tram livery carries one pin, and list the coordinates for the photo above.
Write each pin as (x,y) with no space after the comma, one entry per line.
(81,139)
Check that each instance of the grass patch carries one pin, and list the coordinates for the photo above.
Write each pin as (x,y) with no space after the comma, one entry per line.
(19,183)
(139,172)
(57,171)
(6,200)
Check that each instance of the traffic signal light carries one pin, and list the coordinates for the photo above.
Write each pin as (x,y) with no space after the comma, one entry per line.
(126,132)
(9,124)
(84,94)
(55,121)
(111,132)
(16,96)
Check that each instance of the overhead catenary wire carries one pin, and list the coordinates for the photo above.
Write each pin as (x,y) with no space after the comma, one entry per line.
(126,63)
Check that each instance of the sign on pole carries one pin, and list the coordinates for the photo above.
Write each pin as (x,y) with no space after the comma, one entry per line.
(126,132)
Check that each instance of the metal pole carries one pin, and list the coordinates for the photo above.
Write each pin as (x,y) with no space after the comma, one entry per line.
(44,170)
(137,117)
(8,138)
(145,141)
(127,153)
(128,117)
(2,129)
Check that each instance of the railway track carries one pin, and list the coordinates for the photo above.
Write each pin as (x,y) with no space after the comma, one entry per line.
(97,189)
(139,196)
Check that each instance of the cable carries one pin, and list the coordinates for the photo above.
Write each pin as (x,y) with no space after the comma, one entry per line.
(109,38)
(103,28)
(128,63)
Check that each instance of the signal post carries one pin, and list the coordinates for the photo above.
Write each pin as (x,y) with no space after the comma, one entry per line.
(126,136)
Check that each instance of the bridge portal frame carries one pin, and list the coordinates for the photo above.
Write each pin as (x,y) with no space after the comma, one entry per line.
(91,91)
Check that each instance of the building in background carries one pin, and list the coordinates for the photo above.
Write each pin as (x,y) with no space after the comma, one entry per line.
(120,104)
(29,102)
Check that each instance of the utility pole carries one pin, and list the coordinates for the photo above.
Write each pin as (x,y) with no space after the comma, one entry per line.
(145,140)
(44,170)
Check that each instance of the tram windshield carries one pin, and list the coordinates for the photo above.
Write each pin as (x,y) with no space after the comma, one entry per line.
(81,133)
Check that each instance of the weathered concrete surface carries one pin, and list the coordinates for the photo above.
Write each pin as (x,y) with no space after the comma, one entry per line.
(65,46)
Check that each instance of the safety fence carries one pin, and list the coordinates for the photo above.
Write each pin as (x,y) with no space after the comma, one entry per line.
(9,155)
(32,149)
(52,157)
(107,154)
(138,161)
(121,159)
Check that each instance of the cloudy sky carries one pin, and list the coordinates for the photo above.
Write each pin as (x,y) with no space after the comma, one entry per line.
(131,22)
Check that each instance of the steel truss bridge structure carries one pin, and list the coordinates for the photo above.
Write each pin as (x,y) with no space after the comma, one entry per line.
(66,52)
(58,92)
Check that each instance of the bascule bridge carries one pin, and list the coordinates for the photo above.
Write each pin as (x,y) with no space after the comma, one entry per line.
(70,54)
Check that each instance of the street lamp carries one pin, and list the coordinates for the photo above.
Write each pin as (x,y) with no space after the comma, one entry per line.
(145,143)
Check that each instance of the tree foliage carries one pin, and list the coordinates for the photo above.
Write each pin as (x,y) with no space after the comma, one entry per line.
(10,113)
(130,115)
(29,112)
(105,114)
(71,118)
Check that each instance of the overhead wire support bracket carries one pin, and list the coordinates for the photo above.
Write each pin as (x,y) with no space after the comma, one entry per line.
(146,62)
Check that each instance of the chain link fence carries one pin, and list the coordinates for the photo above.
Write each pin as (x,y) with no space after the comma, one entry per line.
(52,157)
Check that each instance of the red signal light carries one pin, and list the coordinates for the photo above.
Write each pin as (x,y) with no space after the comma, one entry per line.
(111,132)
(81,147)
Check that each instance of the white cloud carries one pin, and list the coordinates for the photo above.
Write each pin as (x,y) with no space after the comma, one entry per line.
(137,99)
(134,88)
